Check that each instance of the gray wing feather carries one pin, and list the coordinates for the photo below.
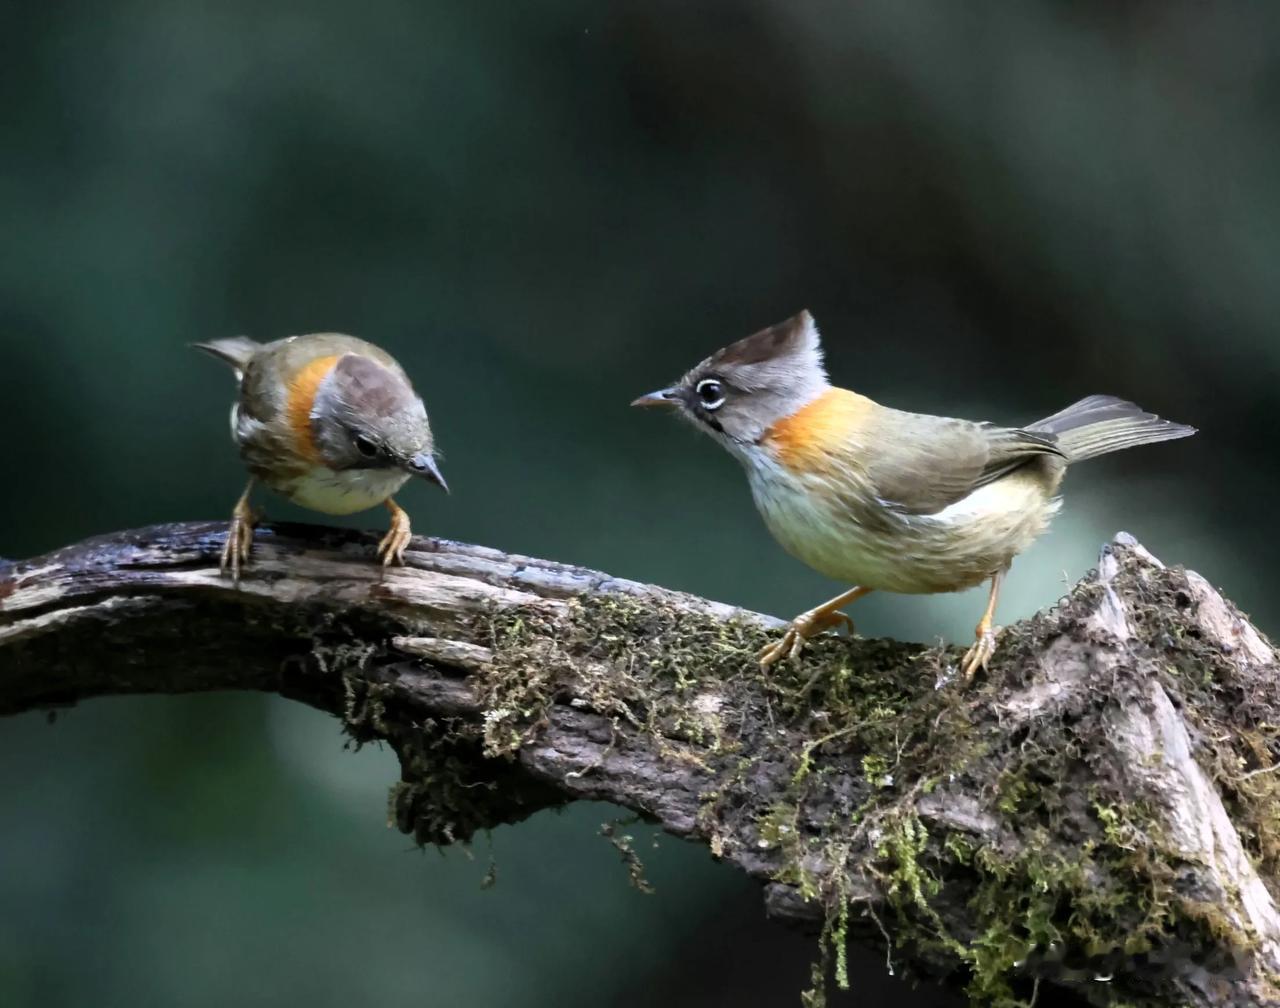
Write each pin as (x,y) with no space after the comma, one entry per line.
(937,461)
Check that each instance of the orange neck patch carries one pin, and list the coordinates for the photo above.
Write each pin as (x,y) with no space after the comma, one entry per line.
(301,397)
(829,425)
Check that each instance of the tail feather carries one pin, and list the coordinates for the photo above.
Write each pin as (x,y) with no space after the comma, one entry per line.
(235,350)
(1101,424)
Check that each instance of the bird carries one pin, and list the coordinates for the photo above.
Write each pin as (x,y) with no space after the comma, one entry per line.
(332,423)
(884,499)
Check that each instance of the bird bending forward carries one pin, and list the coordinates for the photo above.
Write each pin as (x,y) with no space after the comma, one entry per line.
(330,422)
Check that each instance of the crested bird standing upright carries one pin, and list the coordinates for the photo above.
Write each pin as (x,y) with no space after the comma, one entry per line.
(884,499)
(332,423)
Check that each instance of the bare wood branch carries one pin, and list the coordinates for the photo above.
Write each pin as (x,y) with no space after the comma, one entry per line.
(1098,815)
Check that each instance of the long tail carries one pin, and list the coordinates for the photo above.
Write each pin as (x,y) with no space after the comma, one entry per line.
(235,350)
(1101,424)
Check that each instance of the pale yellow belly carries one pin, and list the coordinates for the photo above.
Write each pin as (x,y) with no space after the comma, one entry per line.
(340,493)
(955,549)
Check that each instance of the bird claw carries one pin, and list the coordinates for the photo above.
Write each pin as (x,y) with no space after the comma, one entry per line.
(803,627)
(235,551)
(789,643)
(392,546)
(979,654)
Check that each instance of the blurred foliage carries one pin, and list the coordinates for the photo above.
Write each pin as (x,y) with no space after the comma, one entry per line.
(543,210)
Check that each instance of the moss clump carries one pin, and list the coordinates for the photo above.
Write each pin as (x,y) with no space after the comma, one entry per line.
(447,791)
(438,800)
(624,844)
(653,667)
(1069,877)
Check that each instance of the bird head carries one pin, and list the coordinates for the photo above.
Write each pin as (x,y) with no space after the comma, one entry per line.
(365,415)
(738,393)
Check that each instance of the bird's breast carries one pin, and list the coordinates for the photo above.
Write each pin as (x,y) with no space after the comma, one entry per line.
(338,493)
(801,441)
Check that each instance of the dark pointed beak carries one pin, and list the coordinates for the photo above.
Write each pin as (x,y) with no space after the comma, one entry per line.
(667,398)
(424,465)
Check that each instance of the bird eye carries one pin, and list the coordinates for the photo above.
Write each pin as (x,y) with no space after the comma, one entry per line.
(710,393)
(364,446)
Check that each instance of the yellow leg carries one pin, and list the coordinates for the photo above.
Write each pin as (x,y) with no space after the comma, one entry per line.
(393,544)
(235,552)
(984,645)
(807,624)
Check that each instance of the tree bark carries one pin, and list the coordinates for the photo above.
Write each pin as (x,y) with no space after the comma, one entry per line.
(1100,812)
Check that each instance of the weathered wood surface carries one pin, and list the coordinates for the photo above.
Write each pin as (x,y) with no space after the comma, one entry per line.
(1099,814)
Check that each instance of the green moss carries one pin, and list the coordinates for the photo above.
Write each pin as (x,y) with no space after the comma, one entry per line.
(624,844)
(446,792)
(653,686)
(1037,907)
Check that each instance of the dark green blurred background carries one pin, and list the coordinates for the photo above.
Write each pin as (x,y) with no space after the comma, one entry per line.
(544,210)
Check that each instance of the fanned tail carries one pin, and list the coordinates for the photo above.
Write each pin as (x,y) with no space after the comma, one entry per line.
(1101,424)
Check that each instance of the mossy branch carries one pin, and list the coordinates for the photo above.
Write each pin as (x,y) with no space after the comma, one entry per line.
(1099,814)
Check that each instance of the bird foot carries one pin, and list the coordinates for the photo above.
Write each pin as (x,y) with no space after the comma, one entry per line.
(979,654)
(804,626)
(235,551)
(392,546)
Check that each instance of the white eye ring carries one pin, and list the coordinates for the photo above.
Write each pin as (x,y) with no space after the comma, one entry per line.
(710,393)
